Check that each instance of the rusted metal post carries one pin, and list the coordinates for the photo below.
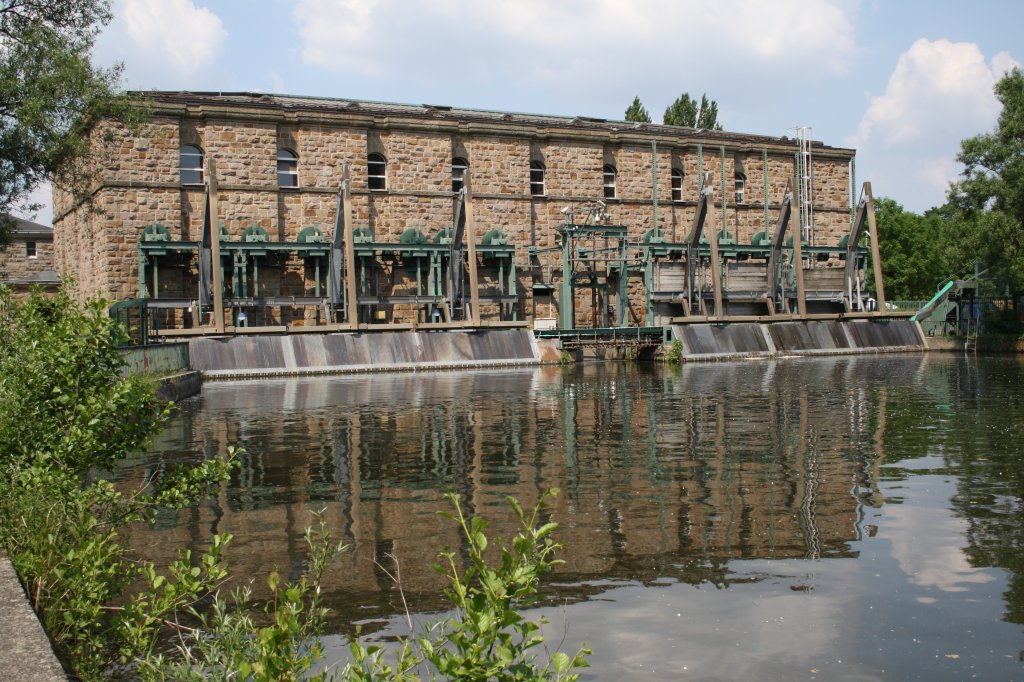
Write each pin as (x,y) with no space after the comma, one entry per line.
(474,282)
(352,304)
(876,259)
(212,216)
(775,292)
(716,263)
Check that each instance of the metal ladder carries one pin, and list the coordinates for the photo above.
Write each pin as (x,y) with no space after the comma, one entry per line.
(805,173)
(971,344)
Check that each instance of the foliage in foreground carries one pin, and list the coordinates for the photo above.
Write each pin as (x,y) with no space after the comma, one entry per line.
(234,638)
(67,414)
(487,637)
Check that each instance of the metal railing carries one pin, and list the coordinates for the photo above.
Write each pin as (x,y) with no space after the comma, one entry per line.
(911,305)
(608,336)
(135,320)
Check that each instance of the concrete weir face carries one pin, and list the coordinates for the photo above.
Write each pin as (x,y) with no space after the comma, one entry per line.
(710,341)
(253,356)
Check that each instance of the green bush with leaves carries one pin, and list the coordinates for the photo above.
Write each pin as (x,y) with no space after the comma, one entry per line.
(234,639)
(487,637)
(674,354)
(67,415)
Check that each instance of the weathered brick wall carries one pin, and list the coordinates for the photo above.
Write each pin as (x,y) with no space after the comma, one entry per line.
(15,264)
(141,184)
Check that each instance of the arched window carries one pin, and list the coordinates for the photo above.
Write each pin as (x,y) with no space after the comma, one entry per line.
(191,162)
(741,182)
(459,168)
(377,172)
(537,178)
(609,181)
(287,168)
(677,184)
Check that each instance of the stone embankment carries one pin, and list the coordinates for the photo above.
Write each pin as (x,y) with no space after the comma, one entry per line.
(26,654)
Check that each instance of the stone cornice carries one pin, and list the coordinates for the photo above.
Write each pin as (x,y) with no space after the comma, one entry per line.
(179,105)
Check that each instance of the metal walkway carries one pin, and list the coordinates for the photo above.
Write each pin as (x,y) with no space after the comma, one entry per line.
(603,337)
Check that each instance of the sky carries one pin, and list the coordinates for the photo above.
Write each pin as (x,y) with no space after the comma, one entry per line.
(902,82)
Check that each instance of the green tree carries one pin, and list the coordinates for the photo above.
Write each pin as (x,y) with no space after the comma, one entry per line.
(914,249)
(687,113)
(989,200)
(637,113)
(50,94)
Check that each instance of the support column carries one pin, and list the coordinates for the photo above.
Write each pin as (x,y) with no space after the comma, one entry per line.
(716,264)
(212,214)
(474,282)
(352,304)
(876,259)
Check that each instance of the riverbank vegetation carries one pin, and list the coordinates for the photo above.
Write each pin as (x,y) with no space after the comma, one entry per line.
(68,416)
(981,225)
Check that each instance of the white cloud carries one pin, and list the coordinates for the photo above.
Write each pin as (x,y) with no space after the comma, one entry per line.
(338,34)
(939,93)
(936,87)
(277,82)
(585,40)
(163,43)
(927,541)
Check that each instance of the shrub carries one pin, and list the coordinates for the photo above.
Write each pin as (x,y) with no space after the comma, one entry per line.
(66,416)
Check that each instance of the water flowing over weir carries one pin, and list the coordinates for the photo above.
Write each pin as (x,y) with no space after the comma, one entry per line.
(241,356)
(709,341)
(254,356)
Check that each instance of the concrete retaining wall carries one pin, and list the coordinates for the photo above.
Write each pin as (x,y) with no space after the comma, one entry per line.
(26,653)
(179,386)
(168,358)
(240,356)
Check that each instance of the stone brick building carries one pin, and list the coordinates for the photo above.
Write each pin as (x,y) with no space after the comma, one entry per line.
(279,161)
(28,260)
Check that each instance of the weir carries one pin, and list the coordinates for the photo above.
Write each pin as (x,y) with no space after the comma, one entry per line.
(252,356)
(709,341)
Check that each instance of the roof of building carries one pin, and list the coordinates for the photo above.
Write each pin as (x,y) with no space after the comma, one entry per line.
(445,112)
(26,229)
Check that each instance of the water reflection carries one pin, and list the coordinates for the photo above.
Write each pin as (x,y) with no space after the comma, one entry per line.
(738,474)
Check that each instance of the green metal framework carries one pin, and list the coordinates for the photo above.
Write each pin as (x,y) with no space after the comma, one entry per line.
(595,259)
(346,273)
(707,276)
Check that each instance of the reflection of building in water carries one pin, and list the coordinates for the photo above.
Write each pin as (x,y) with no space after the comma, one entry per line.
(659,471)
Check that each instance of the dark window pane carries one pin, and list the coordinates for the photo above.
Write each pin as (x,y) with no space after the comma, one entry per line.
(191,164)
(287,168)
(459,168)
(376,172)
(536,178)
(609,182)
(191,177)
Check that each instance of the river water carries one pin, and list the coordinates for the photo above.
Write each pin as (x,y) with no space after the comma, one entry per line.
(854,518)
